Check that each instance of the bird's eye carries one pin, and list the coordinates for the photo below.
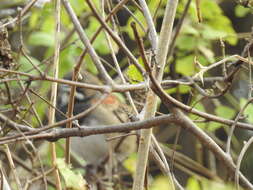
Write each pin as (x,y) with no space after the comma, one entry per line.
(64,92)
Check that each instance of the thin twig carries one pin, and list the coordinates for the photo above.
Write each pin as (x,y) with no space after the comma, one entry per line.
(151,101)
(116,38)
(178,28)
(86,42)
(4,185)
(63,122)
(207,95)
(198,10)
(239,160)
(188,124)
(23,12)
(152,31)
(231,131)
(51,118)
(13,124)
(30,61)
(205,69)
(38,177)
(105,88)
(12,166)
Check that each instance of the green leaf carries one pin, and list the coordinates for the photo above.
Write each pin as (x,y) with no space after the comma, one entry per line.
(214,185)
(186,42)
(189,29)
(26,65)
(185,65)
(40,106)
(73,179)
(34,18)
(193,184)
(90,66)
(212,126)
(191,11)
(214,17)
(100,43)
(225,112)
(41,39)
(182,89)
(248,111)
(210,9)
(60,151)
(65,20)
(139,16)
(209,126)
(211,33)
(68,59)
(199,107)
(134,74)
(140,31)
(161,183)
(241,11)
(96,3)
(223,24)
(130,163)
(79,6)
(43,19)
(48,24)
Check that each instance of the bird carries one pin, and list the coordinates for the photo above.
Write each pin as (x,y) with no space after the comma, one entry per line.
(93,149)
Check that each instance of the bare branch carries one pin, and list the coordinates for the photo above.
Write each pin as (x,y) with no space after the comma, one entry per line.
(83,131)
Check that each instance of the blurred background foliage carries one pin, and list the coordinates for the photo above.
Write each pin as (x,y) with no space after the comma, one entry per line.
(223,21)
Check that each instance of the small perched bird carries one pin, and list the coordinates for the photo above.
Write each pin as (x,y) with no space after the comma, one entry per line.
(93,149)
